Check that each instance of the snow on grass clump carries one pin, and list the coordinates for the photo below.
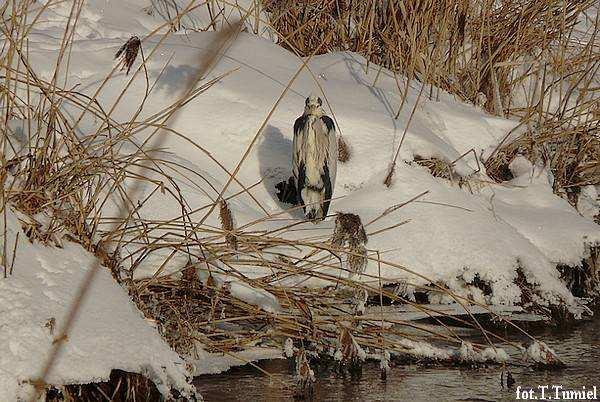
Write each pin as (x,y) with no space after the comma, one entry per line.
(468,354)
(243,291)
(541,354)
(109,332)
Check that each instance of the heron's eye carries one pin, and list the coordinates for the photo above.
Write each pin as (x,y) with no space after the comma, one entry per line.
(307,101)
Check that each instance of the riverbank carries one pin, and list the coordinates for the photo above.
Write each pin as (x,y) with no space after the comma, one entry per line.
(578,347)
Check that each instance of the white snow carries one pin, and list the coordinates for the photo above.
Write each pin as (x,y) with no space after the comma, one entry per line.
(540,353)
(467,353)
(288,348)
(109,331)
(214,363)
(244,291)
(453,234)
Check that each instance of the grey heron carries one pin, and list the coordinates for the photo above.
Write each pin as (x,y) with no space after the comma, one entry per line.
(314,159)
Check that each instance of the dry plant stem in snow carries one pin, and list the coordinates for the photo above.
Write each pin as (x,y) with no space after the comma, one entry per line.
(53,157)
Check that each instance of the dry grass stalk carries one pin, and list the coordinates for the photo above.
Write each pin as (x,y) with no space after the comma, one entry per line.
(69,173)
(390,174)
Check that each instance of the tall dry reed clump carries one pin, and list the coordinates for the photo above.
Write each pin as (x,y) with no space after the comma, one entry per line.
(524,59)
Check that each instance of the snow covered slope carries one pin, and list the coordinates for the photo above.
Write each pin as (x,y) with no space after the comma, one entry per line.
(109,332)
(454,234)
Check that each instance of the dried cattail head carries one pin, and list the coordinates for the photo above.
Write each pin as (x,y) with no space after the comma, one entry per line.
(211,283)
(189,275)
(349,230)
(344,152)
(227,224)
(128,52)
(357,259)
(388,178)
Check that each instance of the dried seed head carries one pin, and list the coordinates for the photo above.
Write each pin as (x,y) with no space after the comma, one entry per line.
(128,52)
(344,152)
(349,230)
(189,275)
(351,352)
(388,178)
(227,224)
(357,259)
(305,376)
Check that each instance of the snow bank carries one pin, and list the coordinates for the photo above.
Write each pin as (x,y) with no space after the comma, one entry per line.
(109,332)
(454,235)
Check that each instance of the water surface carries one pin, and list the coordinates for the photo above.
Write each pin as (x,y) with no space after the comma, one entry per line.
(578,347)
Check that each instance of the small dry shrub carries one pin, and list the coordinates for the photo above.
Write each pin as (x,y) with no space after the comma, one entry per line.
(497,166)
(439,168)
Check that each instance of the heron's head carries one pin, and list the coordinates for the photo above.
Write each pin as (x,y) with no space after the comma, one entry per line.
(313,105)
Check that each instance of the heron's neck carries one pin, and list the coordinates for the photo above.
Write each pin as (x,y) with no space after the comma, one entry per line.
(313,112)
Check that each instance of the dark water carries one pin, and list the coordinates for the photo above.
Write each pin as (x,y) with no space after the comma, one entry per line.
(578,347)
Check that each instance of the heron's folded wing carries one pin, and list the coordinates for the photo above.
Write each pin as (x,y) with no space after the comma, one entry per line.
(297,154)
(332,155)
